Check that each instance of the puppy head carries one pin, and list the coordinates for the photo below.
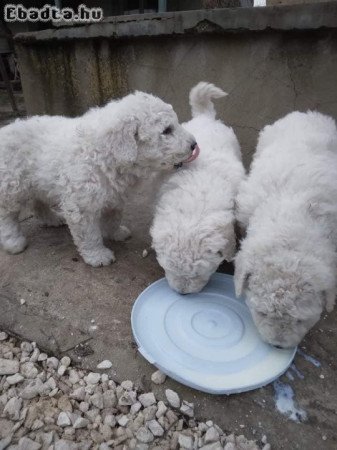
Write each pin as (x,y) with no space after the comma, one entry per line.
(285,293)
(162,141)
(139,130)
(191,253)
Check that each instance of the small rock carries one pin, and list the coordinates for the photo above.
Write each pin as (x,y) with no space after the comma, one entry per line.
(150,412)
(28,444)
(211,435)
(64,404)
(22,301)
(106,364)
(63,420)
(109,399)
(3,336)
(53,392)
(32,389)
(106,431)
(64,444)
(145,253)
(81,422)
(266,447)
(92,378)
(180,425)
(13,408)
(162,408)
(14,379)
(84,406)
(73,376)
(218,446)
(144,435)
(158,377)
(35,355)
(172,398)
(97,400)
(264,439)
(135,408)
(202,427)
(104,378)
(123,421)
(65,361)
(155,428)
(185,442)
(28,370)
(171,417)
(128,398)
(127,385)
(52,363)
(26,347)
(110,420)
(42,357)
(147,399)
(104,446)
(78,394)
(61,370)
(8,367)
(187,409)
(37,425)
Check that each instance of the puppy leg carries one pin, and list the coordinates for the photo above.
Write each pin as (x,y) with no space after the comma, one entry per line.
(88,238)
(111,225)
(11,237)
(47,217)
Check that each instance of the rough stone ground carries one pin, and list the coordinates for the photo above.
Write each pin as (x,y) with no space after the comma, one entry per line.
(45,403)
(72,309)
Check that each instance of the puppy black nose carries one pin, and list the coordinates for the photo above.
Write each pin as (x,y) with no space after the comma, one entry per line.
(278,346)
(193,146)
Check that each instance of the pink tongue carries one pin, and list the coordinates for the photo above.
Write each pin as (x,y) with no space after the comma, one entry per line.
(194,155)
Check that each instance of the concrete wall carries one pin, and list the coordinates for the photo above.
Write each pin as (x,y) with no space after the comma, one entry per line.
(270,61)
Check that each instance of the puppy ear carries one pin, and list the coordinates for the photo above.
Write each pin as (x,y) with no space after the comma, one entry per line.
(241,274)
(330,299)
(123,141)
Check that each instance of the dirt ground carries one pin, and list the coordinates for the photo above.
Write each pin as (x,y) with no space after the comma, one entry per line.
(76,310)
(71,308)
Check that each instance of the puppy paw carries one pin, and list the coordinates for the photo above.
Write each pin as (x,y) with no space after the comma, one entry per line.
(15,245)
(98,258)
(122,234)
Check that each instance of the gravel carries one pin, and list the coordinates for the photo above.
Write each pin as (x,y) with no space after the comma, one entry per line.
(158,377)
(106,364)
(47,404)
(173,398)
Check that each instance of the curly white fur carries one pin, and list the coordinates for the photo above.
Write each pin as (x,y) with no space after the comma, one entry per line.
(82,166)
(193,227)
(287,263)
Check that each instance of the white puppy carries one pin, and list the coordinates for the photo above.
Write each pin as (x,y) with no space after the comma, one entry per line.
(83,166)
(193,228)
(287,263)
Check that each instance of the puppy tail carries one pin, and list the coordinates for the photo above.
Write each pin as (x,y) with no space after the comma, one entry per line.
(201,99)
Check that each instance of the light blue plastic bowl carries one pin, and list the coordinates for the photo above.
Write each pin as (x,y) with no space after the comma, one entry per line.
(207,341)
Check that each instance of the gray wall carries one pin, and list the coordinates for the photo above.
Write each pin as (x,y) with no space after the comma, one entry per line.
(267,71)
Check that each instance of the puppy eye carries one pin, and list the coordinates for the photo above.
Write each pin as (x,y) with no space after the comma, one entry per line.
(168,130)
(219,253)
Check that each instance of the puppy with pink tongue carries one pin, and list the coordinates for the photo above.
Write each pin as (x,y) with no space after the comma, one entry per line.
(193,227)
